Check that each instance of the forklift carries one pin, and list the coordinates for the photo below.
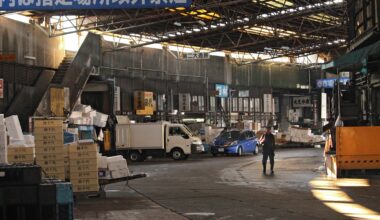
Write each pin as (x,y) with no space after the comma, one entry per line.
(353,140)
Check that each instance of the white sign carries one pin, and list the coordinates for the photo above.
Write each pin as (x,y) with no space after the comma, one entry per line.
(196,56)
(268,103)
(303,101)
(323,106)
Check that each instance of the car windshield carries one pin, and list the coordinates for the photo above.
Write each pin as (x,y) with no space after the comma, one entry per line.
(230,135)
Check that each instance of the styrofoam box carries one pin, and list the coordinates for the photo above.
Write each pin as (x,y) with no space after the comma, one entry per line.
(115,159)
(102,162)
(29,139)
(76,114)
(100,119)
(119,165)
(14,127)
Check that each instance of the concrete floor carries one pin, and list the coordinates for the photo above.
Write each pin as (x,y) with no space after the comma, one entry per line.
(204,187)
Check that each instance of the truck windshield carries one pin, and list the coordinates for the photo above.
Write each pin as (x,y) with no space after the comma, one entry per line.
(188,130)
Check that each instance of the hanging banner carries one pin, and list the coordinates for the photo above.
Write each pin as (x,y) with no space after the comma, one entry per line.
(51,5)
(222,90)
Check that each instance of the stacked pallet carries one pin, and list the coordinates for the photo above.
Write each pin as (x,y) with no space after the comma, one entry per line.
(49,147)
(84,167)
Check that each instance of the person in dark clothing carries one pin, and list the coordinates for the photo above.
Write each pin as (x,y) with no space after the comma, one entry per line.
(268,142)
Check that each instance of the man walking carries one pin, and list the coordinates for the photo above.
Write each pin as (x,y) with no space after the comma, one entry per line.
(268,142)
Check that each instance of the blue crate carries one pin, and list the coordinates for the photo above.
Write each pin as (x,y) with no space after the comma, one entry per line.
(64,193)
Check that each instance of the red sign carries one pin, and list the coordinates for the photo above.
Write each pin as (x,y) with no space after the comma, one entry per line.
(1,88)
(8,57)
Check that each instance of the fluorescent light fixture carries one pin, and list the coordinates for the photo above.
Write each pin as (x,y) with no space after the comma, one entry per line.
(213,26)
(189,31)
(201,23)
(178,24)
(171,35)
(197,29)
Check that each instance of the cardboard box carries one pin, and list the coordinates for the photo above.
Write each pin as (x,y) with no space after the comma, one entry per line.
(84,175)
(90,147)
(85,188)
(53,169)
(49,140)
(49,150)
(14,127)
(83,155)
(48,130)
(81,162)
(60,176)
(50,163)
(83,168)
(47,123)
(85,181)
(20,158)
(20,150)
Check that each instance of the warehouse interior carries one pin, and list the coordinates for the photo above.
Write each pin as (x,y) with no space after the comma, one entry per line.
(161,109)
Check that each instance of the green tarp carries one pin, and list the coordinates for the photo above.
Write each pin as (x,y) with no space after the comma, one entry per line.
(352,60)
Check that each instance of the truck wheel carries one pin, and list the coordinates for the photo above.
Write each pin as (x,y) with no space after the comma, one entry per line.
(177,154)
(135,156)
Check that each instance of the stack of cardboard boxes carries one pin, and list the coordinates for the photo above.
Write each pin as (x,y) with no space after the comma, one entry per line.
(112,167)
(49,147)
(83,166)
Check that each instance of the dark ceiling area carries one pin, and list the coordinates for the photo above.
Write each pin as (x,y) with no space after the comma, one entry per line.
(274,27)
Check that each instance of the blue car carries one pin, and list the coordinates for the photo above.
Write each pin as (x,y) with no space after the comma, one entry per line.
(235,142)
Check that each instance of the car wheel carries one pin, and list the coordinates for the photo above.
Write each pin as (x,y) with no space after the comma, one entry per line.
(135,156)
(239,152)
(256,151)
(177,154)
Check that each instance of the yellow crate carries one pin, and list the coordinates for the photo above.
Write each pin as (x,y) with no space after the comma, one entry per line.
(47,123)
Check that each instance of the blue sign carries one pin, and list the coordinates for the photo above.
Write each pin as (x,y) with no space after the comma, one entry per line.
(222,90)
(43,5)
(329,83)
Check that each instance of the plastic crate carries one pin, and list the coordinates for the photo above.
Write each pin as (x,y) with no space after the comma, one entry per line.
(18,174)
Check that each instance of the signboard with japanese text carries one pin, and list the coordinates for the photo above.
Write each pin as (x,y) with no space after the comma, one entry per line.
(244,93)
(222,90)
(196,56)
(329,83)
(50,5)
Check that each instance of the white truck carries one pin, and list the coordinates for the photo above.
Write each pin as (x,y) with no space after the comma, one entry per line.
(137,141)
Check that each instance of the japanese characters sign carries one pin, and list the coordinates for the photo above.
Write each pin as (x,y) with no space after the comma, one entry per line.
(20,5)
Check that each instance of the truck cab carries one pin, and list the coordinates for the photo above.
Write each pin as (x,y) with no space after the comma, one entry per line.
(180,141)
(137,141)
